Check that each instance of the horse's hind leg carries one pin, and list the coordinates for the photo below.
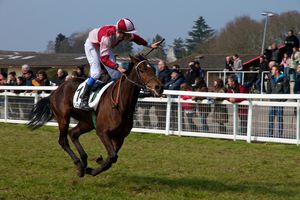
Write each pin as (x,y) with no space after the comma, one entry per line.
(64,143)
(74,133)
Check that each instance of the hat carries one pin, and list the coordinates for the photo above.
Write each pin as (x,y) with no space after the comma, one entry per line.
(125,25)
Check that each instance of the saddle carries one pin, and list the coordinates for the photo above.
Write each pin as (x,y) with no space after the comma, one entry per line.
(95,96)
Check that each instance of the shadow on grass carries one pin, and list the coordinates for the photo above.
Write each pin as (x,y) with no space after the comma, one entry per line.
(213,185)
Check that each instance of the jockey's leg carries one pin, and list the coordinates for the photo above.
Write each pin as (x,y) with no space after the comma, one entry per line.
(92,55)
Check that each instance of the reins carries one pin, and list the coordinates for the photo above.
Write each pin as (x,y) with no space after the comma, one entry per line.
(118,84)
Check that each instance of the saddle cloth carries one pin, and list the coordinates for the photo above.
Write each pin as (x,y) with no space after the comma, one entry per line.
(94,96)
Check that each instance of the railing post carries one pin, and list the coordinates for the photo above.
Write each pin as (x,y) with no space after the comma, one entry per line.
(5,106)
(249,121)
(298,122)
(179,116)
(243,77)
(168,115)
(235,120)
(224,77)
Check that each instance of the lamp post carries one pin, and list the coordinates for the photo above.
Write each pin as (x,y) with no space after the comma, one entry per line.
(267,15)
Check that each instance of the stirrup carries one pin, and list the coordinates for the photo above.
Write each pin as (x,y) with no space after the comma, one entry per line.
(84,106)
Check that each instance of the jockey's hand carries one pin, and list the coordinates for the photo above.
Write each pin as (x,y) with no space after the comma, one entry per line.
(121,69)
(155,45)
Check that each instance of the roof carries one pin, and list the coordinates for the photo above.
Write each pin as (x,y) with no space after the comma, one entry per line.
(18,58)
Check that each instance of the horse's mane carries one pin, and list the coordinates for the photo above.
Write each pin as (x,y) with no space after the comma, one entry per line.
(139,57)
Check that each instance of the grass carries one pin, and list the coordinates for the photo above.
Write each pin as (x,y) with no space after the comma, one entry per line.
(33,166)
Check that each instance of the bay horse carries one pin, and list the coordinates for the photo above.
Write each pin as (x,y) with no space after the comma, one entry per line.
(114,114)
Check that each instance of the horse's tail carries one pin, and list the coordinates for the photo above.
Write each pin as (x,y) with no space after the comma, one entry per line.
(41,113)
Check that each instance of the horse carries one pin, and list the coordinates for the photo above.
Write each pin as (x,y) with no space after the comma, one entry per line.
(114,114)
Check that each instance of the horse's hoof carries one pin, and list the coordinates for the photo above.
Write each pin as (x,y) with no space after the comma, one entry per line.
(99,160)
(89,171)
(80,173)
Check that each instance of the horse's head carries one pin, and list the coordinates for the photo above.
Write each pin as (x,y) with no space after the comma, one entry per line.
(146,76)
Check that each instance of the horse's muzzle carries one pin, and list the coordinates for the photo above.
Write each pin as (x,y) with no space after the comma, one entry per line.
(158,90)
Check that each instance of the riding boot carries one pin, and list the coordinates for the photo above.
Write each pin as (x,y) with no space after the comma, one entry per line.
(84,105)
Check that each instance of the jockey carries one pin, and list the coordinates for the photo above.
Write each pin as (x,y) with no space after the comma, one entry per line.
(98,49)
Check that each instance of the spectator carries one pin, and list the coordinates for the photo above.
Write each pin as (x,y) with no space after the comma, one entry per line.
(297,80)
(20,82)
(61,77)
(194,72)
(25,68)
(285,65)
(164,74)
(80,72)
(295,59)
(237,67)
(252,79)
(28,77)
(235,87)
(204,109)
(188,109)
(3,78)
(175,81)
(275,54)
(262,67)
(41,79)
(174,84)
(11,78)
(228,64)
(291,41)
(220,114)
(176,67)
(277,84)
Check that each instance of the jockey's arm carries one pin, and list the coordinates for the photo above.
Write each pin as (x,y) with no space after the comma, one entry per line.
(140,41)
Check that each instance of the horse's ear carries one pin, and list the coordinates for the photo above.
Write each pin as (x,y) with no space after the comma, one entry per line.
(133,59)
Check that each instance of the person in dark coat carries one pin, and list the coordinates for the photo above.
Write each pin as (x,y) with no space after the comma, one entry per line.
(175,81)
(291,41)
(164,74)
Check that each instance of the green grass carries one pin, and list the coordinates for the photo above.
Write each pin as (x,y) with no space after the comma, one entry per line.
(33,166)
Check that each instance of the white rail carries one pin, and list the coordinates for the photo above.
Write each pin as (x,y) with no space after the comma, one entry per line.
(167,116)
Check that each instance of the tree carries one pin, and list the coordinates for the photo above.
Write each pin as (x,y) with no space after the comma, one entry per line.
(200,33)
(61,44)
(179,48)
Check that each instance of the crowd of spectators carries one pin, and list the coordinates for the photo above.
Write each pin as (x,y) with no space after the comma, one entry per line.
(283,78)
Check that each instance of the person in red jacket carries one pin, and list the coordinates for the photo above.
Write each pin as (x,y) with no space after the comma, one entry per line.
(235,87)
(98,49)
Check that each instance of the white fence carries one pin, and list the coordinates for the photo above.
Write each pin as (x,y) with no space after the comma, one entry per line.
(207,118)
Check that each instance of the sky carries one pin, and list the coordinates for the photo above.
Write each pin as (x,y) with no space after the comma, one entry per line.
(28,25)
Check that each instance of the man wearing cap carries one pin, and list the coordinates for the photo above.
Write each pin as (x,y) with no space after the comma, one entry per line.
(98,49)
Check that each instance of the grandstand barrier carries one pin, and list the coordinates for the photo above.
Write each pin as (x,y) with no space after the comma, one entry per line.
(166,115)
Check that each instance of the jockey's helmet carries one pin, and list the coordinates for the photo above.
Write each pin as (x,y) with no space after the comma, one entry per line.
(125,25)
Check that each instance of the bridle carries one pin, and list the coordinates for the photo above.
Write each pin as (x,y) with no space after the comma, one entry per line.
(141,84)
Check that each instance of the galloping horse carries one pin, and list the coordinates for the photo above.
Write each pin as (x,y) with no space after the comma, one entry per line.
(114,115)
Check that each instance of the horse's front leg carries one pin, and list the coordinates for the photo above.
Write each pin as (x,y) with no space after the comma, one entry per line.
(111,158)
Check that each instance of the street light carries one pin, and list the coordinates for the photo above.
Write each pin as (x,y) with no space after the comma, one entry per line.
(267,14)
